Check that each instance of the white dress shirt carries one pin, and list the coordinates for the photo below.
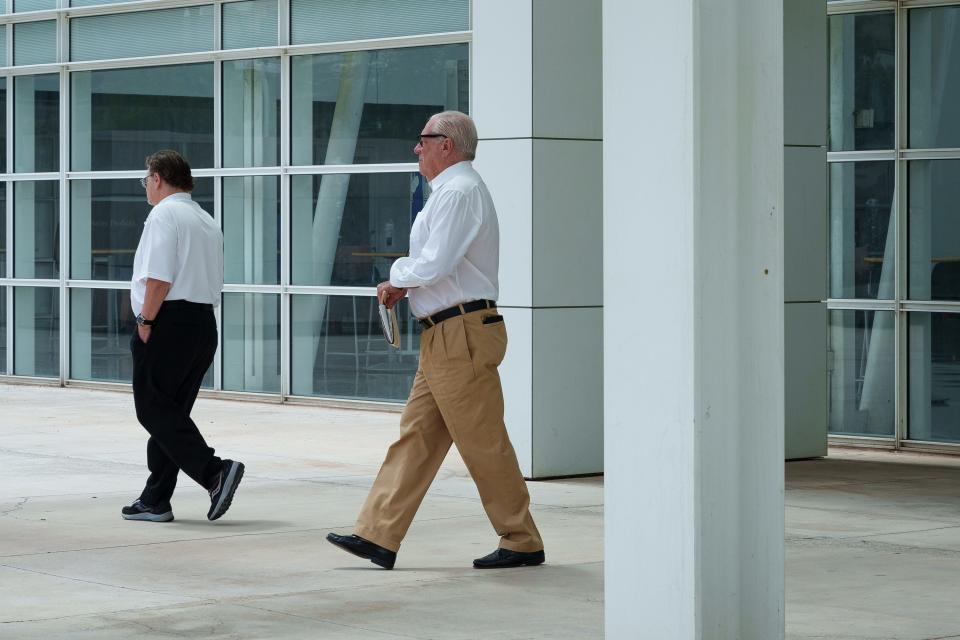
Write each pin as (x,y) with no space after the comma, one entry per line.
(183,245)
(454,245)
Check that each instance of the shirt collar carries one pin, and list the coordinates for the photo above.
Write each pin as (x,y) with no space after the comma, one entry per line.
(450,173)
(182,195)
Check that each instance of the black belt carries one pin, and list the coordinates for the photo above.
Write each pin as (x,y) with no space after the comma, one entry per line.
(459,310)
(185,305)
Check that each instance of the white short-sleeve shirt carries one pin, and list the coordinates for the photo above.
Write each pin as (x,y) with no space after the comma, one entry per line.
(181,244)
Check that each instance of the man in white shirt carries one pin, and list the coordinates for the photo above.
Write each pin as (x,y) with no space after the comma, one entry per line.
(177,278)
(451,279)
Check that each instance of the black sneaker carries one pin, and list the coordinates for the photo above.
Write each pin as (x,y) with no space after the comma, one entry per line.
(222,494)
(139,511)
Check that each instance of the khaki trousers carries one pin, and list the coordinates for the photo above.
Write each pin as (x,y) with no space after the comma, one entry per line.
(456,398)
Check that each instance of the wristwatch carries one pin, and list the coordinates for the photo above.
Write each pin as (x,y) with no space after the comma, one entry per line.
(143,322)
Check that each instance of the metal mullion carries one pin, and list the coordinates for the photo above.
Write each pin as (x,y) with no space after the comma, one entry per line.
(218,310)
(143,61)
(931,306)
(217,116)
(64,202)
(286,339)
(331,291)
(900,360)
(30,16)
(862,156)
(252,288)
(130,7)
(36,283)
(859,6)
(217,26)
(321,169)
(10,320)
(98,284)
(914,4)
(283,22)
(33,69)
(33,177)
(861,305)
(239,172)
(927,154)
(400,42)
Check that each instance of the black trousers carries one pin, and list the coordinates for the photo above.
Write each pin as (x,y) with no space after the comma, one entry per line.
(167,373)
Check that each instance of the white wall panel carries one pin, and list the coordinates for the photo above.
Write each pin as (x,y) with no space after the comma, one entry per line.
(501,67)
(506,166)
(516,376)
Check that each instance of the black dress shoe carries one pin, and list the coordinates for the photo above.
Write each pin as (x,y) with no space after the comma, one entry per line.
(365,549)
(503,558)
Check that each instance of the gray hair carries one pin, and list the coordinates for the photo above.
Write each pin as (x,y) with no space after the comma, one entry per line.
(458,128)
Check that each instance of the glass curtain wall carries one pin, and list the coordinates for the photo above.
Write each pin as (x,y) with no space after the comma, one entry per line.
(302,150)
(894,169)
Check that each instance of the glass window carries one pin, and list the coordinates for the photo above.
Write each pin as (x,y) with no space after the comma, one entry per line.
(340,20)
(369,106)
(36,118)
(33,5)
(120,116)
(251,230)
(35,42)
(934,69)
(36,351)
(934,376)
(251,112)
(250,24)
(3,229)
(862,230)
(337,349)
(860,371)
(101,326)
(346,230)
(106,221)
(251,342)
(934,230)
(3,330)
(146,33)
(36,229)
(862,85)
(3,44)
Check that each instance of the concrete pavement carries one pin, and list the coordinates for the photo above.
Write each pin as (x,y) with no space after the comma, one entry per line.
(873,539)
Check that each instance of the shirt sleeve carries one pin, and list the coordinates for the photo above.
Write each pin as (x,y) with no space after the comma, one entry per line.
(454,230)
(160,248)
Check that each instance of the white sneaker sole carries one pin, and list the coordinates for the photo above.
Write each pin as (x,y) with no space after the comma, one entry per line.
(150,517)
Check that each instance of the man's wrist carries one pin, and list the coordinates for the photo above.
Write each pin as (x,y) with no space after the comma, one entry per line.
(144,322)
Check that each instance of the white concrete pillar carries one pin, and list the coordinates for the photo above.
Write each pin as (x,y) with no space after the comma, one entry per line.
(693,319)
(537,99)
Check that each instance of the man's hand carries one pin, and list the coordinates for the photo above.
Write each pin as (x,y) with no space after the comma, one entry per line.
(388,294)
(144,332)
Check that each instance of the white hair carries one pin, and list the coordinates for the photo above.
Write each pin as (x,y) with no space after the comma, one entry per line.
(458,128)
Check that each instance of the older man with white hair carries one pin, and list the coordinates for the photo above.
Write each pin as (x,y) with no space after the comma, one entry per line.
(451,280)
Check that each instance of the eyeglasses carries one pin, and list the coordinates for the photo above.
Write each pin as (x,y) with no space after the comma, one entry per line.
(430,135)
(143,180)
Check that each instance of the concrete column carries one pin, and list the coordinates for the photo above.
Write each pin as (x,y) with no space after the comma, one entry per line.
(805,227)
(537,100)
(693,319)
